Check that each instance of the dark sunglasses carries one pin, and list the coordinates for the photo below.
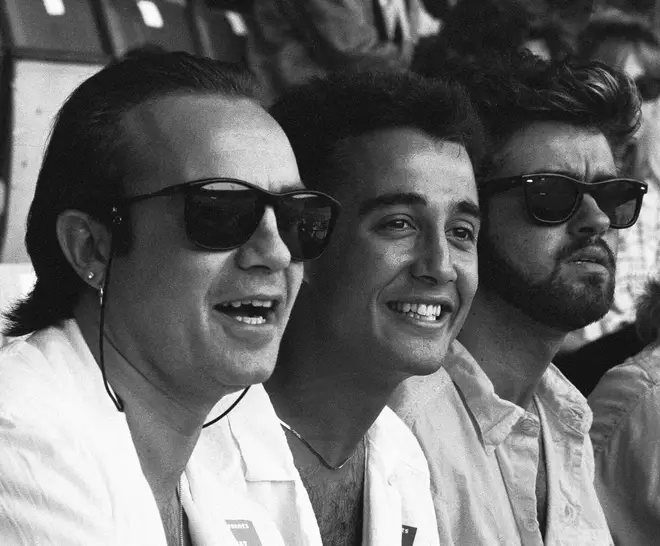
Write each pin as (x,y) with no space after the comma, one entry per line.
(223,213)
(554,198)
(648,87)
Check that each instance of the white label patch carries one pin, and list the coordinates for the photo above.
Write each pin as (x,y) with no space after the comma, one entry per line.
(150,14)
(54,7)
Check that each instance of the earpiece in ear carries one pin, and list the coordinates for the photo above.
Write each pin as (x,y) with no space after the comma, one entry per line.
(116,217)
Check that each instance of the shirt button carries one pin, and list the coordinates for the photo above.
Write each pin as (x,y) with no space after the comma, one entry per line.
(528,427)
(569,513)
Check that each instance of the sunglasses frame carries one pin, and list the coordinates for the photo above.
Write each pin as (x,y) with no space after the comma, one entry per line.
(272,199)
(498,185)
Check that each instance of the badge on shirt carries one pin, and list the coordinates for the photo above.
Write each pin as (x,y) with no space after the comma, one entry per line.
(408,535)
(244,532)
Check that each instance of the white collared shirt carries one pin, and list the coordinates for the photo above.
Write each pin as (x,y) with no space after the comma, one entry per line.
(398,508)
(69,472)
(626,438)
(483,457)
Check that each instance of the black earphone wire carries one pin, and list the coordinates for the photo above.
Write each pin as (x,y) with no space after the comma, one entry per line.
(103,299)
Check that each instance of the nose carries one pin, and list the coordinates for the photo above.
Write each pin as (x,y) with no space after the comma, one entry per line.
(589,219)
(265,249)
(434,264)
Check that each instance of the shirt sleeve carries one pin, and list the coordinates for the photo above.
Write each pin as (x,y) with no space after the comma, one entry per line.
(342,35)
(626,436)
(50,491)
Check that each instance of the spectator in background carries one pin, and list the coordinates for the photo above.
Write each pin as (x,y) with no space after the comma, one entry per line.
(291,41)
(505,433)
(628,43)
(626,434)
(163,285)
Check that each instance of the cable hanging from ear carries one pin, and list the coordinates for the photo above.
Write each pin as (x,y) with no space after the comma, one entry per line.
(103,297)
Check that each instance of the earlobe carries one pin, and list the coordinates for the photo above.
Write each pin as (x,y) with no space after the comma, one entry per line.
(85,243)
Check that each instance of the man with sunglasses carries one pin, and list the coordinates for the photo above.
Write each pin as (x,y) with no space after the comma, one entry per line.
(505,433)
(167,233)
(383,303)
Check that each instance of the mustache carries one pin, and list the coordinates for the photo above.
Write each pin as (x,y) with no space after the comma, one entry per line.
(590,243)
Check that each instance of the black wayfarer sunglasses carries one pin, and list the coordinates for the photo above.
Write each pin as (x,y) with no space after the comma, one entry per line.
(553,199)
(223,213)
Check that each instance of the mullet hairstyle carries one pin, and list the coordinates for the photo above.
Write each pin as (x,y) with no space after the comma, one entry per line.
(318,117)
(511,92)
(87,159)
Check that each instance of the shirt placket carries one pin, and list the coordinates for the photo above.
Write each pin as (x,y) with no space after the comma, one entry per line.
(518,457)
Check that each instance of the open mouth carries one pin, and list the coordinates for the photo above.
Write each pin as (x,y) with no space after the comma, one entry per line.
(426,312)
(253,312)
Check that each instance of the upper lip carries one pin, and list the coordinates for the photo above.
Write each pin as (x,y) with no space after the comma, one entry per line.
(445,302)
(592,254)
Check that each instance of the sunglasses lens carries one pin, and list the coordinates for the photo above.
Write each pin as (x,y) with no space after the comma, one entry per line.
(222,215)
(619,200)
(551,198)
(305,221)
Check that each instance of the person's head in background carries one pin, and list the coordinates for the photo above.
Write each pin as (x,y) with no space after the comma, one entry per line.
(648,313)
(474,29)
(629,43)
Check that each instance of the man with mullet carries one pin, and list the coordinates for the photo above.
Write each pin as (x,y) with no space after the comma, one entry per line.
(505,433)
(384,303)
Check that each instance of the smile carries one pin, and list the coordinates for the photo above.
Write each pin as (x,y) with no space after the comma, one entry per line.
(427,312)
(253,311)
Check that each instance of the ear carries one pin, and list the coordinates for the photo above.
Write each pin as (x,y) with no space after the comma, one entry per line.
(85,243)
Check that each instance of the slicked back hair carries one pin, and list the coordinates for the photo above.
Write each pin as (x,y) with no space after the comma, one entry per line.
(86,161)
(318,117)
(513,91)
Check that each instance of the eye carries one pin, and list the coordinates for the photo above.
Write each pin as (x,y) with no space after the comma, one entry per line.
(463,234)
(396,224)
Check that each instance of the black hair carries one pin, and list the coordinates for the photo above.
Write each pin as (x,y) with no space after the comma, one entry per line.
(319,116)
(512,91)
(86,161)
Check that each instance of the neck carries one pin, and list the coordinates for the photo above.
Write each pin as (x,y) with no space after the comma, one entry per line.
(164,428)
(324,391)
(513,350)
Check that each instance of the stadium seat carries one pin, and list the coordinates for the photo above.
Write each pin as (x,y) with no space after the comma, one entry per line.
(221,33)
(130,24)
(51,47)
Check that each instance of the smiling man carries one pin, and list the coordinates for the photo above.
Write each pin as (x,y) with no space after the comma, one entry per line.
(382,304)
(167,233)
(505,433)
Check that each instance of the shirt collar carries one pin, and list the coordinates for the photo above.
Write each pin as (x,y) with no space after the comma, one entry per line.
(496,417)
(260,438)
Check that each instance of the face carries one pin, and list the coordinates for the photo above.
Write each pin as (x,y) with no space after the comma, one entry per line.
(179,312)
(561,276)
(400,273)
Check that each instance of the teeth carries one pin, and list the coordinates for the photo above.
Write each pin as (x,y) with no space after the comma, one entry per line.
(420,311)
(254,303)
(251,320)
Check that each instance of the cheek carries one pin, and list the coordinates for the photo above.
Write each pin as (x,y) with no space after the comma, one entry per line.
(467,267)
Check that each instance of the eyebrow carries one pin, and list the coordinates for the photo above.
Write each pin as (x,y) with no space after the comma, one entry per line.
(463,206)
(389,200)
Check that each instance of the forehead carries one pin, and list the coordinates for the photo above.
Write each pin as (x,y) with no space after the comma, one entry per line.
(404,161)
(180,138)
(555,147)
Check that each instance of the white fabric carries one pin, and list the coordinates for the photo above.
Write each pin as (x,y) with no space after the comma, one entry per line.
(69,472)
(483,457)
(396,475)
(626,438)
